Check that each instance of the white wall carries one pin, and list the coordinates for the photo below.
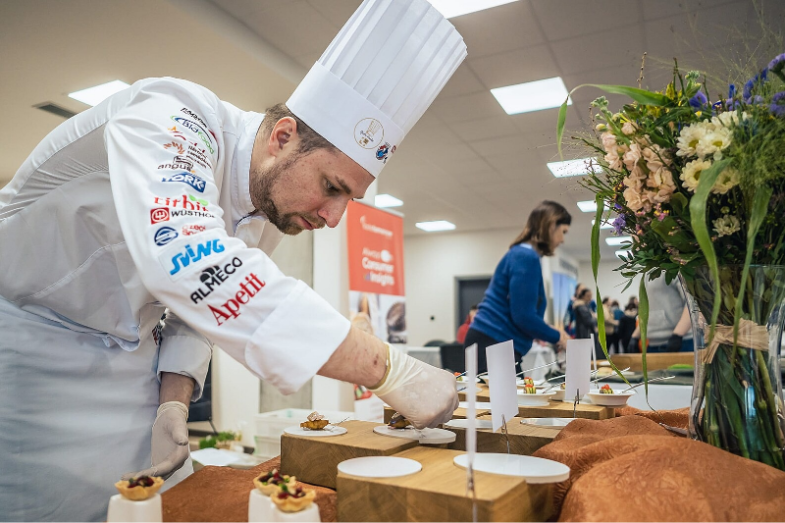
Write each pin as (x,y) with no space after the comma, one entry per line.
(611,282)
(434,261)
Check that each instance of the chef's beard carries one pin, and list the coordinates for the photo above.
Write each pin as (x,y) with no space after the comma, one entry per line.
(263,184)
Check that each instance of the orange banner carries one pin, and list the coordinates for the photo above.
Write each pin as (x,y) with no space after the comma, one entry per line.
(375,243)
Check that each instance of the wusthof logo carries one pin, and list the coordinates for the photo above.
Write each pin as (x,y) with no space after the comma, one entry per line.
(189,253)
(190,230)
(231,308)
(164,235)
(213,277)
(189,202)
(374,229)
(179,162)
(196,129)
(159,215)
(192,214)
(194,181)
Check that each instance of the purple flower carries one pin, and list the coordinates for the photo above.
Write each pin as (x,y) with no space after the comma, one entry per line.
(777,106)
(618,224)
(777,64)
(699,100)
(617,207)
(731,90)
(747,91)
(754,100)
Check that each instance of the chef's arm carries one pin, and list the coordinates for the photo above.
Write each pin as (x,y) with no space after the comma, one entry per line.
(361,358)
(684,325)
(176,387)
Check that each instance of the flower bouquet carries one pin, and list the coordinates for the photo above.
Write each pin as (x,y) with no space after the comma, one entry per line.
(699,185)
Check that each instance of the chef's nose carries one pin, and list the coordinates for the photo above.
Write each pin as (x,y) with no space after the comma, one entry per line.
(332,212)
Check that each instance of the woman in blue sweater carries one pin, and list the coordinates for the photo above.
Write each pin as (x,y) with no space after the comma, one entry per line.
(514,304)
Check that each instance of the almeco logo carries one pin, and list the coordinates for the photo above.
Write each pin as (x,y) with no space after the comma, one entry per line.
(231,308)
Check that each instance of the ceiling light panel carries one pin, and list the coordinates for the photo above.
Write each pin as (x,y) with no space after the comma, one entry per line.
(439,225)
(453,8)
(97,94)
(386,200)
(606,224)
(587,206)
(568,168)
(532,96)
(615,241)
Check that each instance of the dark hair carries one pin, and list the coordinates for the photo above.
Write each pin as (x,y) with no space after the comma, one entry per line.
(538,226)
(583,292)
(614,303)
(310,140)
(578,288)
(605,300)
(474,307)
(630,307)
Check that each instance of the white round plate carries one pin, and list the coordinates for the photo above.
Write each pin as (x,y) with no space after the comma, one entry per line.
(464,423)
(617,399)
(379,467)
(425,436)
(548,423)
(535,470)
(558,394)
(329,430)
(535,400)
(479,405)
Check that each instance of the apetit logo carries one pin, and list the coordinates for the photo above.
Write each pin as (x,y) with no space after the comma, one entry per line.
(213,277)
(189,253)
(194,181)
(159,215)
(231,308)
(164,235)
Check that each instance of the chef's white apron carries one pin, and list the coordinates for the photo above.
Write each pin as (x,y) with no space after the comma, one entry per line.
(75,415)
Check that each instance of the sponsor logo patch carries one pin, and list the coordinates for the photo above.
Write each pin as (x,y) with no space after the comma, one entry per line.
(232,307)
(189,202)
(179,162)
(368,133)
(190,230)
(382,152)
(176,261)
(198,184)
(213,277)
(159,215)
(178,147)
(164,235)
(197,129)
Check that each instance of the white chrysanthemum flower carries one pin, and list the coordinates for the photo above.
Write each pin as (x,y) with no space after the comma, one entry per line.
(727,225)
(727,180)
(726,119)
(692,172)
(713,143)
(689,138)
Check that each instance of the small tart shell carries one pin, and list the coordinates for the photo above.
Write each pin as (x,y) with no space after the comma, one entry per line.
(268,489)
(400,424)
(291,504)
(315,425)
(139,492)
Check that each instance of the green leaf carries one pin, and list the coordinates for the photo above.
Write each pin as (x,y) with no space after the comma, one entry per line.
(560,125)
(643,316)
(679,240)
(679,203)
(701,230)
(641,96)
(760,205)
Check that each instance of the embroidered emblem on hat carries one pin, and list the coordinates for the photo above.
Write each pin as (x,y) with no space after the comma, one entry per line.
(382,152)
(368,133)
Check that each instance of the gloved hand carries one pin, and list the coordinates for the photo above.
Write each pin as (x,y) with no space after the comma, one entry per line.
(170,441)
(674,343)
(425,395)
(632,346)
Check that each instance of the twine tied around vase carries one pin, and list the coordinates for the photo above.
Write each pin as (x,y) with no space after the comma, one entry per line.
(751,336)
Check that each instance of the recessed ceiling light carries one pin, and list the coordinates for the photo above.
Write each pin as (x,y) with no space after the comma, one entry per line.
(618,240)
(606,224)
(532,96)
(96,95)
(453,8)
(572,167)
(439,225)
(385,200)
(587,206)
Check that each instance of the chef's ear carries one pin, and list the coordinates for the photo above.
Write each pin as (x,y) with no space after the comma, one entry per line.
(283,134)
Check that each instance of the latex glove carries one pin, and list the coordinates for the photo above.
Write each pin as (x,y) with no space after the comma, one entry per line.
(170,441)
(425,395)
(674,343)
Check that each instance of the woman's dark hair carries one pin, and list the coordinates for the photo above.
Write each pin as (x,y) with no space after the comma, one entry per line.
(605,300)
(583,293)
(614,303)
(310,140)
(538,226)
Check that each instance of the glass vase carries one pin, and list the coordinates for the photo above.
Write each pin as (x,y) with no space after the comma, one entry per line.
(737,402)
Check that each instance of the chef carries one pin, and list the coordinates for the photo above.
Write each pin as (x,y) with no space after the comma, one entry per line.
(138,233)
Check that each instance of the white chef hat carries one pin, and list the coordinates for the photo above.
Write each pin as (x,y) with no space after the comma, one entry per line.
(377,78)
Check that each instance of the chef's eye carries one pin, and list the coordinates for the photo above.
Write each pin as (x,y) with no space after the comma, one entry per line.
(331,189)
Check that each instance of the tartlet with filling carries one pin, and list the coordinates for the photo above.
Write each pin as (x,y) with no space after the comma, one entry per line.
(272,481)
(293,499)
(315,422)
(139,489)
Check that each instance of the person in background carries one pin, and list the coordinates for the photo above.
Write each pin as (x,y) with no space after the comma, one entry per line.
(463,329)
(569,316)
(514,304)
(632,304)
(627,324)
(616,309)
(669,328)
(611,326)
(585,320)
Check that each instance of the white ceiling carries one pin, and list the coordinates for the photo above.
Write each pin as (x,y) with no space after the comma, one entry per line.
(466,161)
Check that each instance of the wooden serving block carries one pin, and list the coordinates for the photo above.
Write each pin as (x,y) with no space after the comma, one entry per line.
(460,413)
(315,460)
(524,439)
(438,493)
(560,409)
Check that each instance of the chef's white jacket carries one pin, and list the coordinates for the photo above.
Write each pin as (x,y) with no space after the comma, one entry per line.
(144,199)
